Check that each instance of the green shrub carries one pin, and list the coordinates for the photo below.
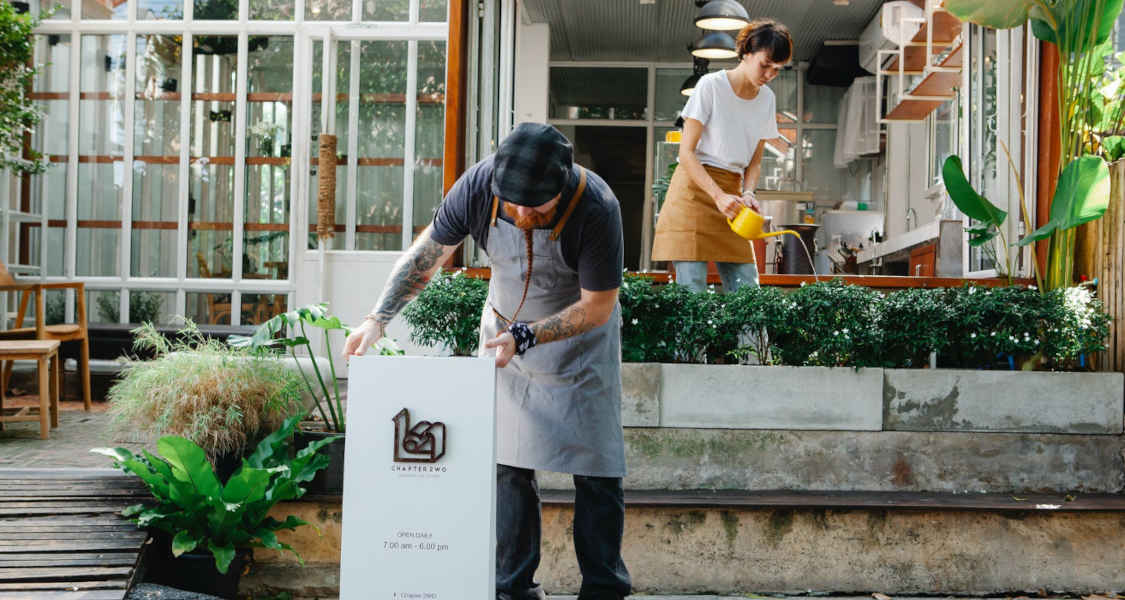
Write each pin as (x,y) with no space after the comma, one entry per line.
(915,323)
(644,325)
(831,324)
(447,312)
(757,314)
(993,327)
(1075,325)
(144,307)
(218,397)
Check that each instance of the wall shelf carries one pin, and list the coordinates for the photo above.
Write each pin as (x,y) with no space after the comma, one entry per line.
(936,54)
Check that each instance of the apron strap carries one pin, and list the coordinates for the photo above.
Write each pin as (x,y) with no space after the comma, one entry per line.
(573,203)
(495,205)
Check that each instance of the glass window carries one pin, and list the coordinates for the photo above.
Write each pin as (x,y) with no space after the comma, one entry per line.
(429,133)
(156,156)
(101,147)
(216,10)
(822,103)
(779,163)
(211,174)
(343,72)
(821,176)
(208,308)
(52,139)
(382,143)
(386,10)
(151,306)
(58,9)
(257,308)
(116,10)
(982,124)
(433,11)
(269,143)
(598,93)
(272,10)
(328,10)
(669,101)
(944,138)
(152,10)
(784,88)
(103,306)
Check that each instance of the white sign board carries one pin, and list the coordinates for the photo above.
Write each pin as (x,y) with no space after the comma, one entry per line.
(420,479)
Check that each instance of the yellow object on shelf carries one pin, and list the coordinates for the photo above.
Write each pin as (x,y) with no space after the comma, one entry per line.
(672,136)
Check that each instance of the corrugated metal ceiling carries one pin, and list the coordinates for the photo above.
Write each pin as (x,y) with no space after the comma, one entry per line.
(612,30)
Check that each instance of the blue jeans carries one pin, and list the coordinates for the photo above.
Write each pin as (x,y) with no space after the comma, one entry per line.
(599,522)
(733,275)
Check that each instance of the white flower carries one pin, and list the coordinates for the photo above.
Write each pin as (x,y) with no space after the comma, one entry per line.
(835,333)
(973,336)
(993,334)
(845,330)
(635,321)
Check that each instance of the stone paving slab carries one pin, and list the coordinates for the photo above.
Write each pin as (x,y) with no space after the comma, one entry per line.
(69,445)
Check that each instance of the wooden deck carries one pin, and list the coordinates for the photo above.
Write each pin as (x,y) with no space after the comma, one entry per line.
(61,534)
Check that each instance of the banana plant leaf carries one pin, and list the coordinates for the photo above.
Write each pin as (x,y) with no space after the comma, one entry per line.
(997,14)
(1078,18)
(1081,196)
(1114,147)
(967,199)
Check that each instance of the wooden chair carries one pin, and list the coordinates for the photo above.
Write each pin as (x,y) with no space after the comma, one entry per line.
(46,353)
(65,332)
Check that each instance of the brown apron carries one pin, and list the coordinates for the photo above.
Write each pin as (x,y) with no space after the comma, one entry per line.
(691,228)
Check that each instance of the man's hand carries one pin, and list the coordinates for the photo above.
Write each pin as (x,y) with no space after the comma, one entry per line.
(505,346)
(362,338)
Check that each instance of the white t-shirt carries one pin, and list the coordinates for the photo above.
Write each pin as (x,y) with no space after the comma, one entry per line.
(732,126)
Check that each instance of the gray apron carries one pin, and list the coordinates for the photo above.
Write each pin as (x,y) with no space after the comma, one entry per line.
(558,407)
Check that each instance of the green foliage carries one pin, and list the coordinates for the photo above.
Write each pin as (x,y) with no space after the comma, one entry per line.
(200,512)
(1081,196)
(144,307)
(447,313)
(218,397)
(831,324)
(991,325)
(1075,325)
(915,322)
(270,338)
(18,113)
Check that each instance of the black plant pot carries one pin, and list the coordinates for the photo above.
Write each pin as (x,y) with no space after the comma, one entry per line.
(329,481)
(195,571)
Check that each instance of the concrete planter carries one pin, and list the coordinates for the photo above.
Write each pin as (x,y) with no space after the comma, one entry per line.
(1002,401)
(820,398)
(751,397)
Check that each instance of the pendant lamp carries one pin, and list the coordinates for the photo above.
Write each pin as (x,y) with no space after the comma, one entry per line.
(714,45)
(699,69)
(722,15)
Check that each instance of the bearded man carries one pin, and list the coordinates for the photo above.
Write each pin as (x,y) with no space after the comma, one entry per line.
(552,231)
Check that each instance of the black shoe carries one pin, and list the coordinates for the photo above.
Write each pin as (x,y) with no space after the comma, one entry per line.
(532,593)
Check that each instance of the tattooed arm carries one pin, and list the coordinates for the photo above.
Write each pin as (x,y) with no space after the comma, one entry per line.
(592,310)
(410,274)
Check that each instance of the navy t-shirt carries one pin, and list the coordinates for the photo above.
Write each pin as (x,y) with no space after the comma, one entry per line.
(591,240)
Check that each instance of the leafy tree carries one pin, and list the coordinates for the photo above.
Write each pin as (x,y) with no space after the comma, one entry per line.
(18,113)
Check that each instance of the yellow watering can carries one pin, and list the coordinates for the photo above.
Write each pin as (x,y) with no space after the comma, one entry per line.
(748,224)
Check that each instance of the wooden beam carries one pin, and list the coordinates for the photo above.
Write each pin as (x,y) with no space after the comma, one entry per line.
(1050,145)
(456,77)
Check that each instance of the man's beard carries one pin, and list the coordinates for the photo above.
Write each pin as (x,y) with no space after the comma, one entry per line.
(533,221)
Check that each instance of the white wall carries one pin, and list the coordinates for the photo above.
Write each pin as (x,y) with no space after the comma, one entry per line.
(533,51)
(907,177)
(355,280)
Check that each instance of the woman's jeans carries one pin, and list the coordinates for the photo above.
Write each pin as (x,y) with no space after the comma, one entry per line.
(733,275)
(599,522)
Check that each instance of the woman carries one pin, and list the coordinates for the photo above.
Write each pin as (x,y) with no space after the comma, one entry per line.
(726,124)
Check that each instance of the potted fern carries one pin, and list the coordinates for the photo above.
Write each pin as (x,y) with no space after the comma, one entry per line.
(209,528)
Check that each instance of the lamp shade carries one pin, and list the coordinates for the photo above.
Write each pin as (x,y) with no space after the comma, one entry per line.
(689,84)
(722,15)
(714,45)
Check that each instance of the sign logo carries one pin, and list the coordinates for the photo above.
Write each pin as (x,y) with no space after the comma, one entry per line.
(424,442)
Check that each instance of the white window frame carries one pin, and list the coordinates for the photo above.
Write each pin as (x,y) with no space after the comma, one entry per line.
(1017,63)
(302,32)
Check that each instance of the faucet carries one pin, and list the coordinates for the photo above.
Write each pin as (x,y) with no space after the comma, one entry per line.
(910,210)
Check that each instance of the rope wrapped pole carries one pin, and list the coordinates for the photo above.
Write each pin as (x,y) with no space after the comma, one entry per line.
(326,188)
